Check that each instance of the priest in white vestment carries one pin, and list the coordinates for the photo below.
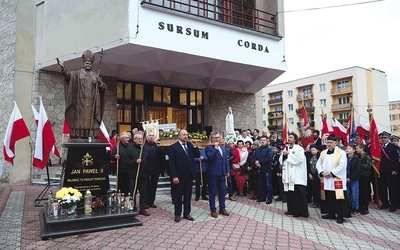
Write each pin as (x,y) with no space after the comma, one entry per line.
(294,177)
(331,167)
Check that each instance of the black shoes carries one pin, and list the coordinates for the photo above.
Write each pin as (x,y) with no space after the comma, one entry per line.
(384,206)
(188,217)
(269,201)
(339,220)
(288,213)
(329,217)
(365,212)
(177,219)
(392,209)
(197,198)
(204,198)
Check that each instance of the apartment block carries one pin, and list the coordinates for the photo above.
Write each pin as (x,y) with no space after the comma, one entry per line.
(333,93)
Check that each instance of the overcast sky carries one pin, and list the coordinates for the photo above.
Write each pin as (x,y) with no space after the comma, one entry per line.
(329,39)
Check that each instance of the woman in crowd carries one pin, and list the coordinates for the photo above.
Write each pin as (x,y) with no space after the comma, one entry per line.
(353,178)
(240,178)
(313,176)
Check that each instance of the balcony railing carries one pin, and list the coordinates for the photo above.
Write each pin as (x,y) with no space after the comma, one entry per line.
(227,11)
(345,106)
(275,114)
(275,101)
(304,97)
(337,91)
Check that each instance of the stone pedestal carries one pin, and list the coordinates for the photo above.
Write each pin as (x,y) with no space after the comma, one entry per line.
(87,167)
(99,220)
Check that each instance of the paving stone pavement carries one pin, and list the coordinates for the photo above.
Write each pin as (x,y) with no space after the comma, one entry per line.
(250,226)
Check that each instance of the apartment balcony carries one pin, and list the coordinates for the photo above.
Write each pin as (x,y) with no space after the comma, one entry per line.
(341,107)
(275,127)
(275,115)
(310,110)
(302,97)
(235,13)
(275,101)
(341,91)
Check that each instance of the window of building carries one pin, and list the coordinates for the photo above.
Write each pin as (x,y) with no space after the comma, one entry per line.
(290,93)
(291,121)
(344,100)
(399,116)
(343,84)
(263,111)
(322,103)
(322,87)
(308,104)
(393,128)
(278,109)
(307,91)
(392,117)
(263,98)
(343,115)
(391,106)
(278,96)
(398,105)
(290,107)
(264,123)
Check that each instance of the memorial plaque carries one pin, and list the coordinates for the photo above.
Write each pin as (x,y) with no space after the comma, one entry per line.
(87,167)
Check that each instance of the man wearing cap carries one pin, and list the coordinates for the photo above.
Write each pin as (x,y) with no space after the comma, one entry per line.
(294,177)
(331,167)
(389,168)
(356,138)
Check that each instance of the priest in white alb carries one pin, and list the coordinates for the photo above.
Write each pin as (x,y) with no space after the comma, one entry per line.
(294,177)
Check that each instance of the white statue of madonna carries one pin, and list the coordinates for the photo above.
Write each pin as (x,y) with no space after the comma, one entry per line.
(230,128)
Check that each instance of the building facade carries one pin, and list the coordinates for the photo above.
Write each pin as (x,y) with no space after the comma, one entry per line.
(181,61)
(394,118)
(336,94)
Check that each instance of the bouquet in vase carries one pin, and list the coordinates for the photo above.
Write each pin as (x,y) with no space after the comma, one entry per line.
(68,197)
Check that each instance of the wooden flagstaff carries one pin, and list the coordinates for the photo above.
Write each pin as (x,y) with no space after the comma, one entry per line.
(117,163)
(376,174)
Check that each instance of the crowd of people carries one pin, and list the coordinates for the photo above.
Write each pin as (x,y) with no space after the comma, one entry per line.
(338,179)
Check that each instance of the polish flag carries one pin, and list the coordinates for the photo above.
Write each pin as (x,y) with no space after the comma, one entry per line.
(36,115)
(16,130)
(104,136)
(306,133)
(44,139)
(362,129)
(340,131)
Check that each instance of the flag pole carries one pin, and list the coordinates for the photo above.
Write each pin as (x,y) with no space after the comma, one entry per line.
(116,175)
(376,176)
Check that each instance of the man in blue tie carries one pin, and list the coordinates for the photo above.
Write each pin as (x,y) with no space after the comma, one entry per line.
(218,171)
(182,171)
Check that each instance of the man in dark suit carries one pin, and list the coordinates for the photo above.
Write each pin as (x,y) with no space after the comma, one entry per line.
(388,173)
(217,170)
(182,171)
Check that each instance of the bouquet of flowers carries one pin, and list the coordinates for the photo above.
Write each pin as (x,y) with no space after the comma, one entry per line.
(99,203)
(68,197)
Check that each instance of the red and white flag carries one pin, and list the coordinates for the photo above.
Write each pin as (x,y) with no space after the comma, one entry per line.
(36,115)
(375,146)
(306,133)
(362,129)
(340,131)
(44,139)
(104,136)
(16,130)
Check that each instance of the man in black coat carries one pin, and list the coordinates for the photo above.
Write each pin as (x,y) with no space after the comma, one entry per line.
(388,173)
(122,156)
(138,181)
(182,171)
(156,162)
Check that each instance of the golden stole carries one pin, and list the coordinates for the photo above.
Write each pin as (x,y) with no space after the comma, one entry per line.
(336,181)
